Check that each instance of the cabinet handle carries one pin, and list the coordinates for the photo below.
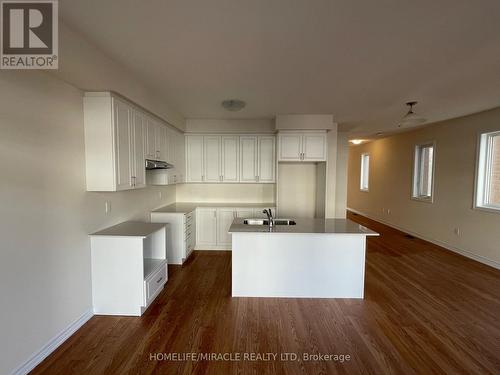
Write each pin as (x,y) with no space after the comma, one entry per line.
(160,279)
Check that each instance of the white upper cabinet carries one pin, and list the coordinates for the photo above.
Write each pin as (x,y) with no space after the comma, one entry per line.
(119,136)
(314,146)
(257,159)
(302,146)
(230,158)
(290,146)
(212,153)
(156,140)
(266,161)
(150,143)
(114,143)
(248,159)
(180,159)
(194,158)
(172,145)
(124,145)
(139,171)
(162,144)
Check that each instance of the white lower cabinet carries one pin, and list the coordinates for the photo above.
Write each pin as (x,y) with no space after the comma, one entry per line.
(212,225)
(225,217)
(181,238)
(206,228)
(129,267)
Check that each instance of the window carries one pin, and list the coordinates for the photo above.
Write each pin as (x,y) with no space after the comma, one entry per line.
(488,172)
(365,172)
(423,172)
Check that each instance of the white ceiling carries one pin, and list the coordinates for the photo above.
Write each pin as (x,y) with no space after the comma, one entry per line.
(359,60)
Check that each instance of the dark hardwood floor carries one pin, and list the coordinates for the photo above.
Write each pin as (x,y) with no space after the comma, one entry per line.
(426,310)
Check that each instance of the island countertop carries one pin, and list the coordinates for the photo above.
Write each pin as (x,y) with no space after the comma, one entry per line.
(306,226)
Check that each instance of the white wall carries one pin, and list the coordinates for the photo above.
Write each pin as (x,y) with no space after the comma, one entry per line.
(46,212)
(226,193)
(84,66)
(391,165)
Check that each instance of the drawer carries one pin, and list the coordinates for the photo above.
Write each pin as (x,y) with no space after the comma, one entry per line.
(155,283)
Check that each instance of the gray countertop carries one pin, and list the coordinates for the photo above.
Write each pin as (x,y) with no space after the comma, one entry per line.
(312,226)
(190,206)
(130,229)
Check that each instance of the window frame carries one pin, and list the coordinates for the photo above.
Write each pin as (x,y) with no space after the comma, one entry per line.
(416,172)
(361,175)
(483,165)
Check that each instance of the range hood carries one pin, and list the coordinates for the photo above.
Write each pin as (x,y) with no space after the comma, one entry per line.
(157,164)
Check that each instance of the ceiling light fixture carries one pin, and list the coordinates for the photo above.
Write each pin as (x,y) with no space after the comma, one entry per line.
(233,105)
(356,141)
(411,118)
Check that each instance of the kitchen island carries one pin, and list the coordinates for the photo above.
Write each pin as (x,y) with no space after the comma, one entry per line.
(311,258)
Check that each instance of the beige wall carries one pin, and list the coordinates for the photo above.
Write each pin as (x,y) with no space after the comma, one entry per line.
(46,213)
(391,163)
(244,193)
(297,188)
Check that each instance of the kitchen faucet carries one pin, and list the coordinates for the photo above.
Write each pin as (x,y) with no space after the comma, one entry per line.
(270,218)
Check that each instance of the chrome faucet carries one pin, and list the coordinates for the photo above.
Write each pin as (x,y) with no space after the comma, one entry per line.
(270,218)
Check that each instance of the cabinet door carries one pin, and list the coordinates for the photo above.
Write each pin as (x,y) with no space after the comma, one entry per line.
(230,159)
(180,159)
(225,217)
(161,142)
(266,159)
(150,143)
(194,158)
(206,227)
(290,146)
(139,169)
(211,149)
(244,213)
(124,145)
(171,156)
(248,159)
(314,146)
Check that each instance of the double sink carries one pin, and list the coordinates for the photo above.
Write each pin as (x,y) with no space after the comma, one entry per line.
(266,222)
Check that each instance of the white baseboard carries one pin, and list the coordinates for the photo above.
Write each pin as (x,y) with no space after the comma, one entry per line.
(52,345)
(443,244)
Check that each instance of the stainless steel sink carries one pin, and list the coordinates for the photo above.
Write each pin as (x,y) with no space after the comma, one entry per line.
(266,222)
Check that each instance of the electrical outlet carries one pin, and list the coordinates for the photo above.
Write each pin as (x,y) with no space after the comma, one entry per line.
(107,207)
(457,231)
